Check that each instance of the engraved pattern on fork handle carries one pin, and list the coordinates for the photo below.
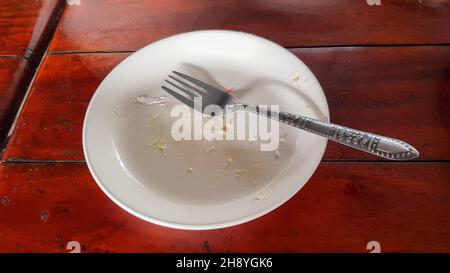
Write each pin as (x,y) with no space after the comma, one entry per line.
(386,147)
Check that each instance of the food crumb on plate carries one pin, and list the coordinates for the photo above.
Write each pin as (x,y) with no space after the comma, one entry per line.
(209,148)
(159,146)
(228,163)
(239,172)
(261,197)
(296,78)
(277,154)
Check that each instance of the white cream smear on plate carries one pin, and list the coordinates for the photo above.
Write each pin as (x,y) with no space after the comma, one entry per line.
(151,100)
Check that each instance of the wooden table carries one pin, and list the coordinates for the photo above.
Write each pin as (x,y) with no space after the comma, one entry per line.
(25,27)
(390,62)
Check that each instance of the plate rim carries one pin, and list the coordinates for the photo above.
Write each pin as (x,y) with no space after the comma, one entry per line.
(209,226)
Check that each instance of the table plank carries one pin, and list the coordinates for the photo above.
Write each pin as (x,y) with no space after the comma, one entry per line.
(402,92)
(344,206)
(397,91)
(26,25)
(25,28)
(105,25)
(64,84)
(15,74)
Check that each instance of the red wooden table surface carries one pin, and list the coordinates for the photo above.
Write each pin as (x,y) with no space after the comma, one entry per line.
(390,62)
(25,28)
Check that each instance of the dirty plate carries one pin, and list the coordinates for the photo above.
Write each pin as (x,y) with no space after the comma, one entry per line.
(201,184)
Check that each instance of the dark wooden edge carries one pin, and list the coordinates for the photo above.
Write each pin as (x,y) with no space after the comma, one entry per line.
(19,85)
(41,39)
(32,58)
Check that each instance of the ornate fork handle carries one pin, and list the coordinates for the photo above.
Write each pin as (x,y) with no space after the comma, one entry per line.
(386,147)
(382,146)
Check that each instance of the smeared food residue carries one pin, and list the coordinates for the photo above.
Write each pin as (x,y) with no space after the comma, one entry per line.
(150,100)
(154,117)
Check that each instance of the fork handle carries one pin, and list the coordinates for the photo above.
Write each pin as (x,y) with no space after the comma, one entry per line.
(386,147)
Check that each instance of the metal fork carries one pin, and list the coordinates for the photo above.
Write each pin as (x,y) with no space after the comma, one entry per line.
(187,88)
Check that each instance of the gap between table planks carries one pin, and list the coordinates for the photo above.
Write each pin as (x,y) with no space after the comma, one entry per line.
(15,74)
(404,206)
(25,30)
(105,25)
(26,27)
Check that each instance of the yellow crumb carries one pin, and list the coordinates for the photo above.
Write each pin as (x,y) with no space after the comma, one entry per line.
(239,172)
(159,146)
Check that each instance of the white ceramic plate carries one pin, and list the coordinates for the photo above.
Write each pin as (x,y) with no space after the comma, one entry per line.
(161,190)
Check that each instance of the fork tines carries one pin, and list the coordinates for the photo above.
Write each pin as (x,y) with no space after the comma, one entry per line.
(185,88)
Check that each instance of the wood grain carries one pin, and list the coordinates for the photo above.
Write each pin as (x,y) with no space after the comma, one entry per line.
(50,124)
(15,74)
(402,92)
(106,25)
(344,206)
(395,90)
(25,26)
